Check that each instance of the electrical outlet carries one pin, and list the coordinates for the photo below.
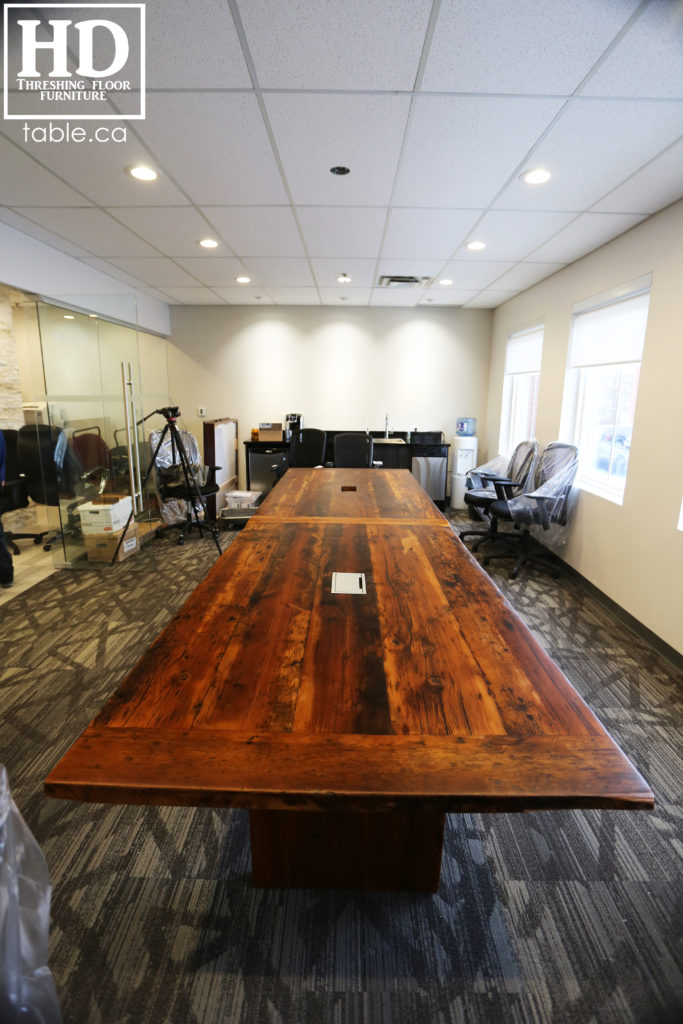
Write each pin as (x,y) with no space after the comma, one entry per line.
(201,410)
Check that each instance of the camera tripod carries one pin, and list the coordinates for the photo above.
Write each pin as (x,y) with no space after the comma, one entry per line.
(192,489)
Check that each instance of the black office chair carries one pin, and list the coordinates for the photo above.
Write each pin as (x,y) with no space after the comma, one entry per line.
(178,502)
(13,495)
(51,472)
(546,506)
(353,450)
(520,470)
(307,447)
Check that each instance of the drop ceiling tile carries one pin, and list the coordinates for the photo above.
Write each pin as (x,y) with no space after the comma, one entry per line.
(295,296)
(586,233)
(344,296)
(161,273)
(213,271)
(191,52)
(97,171)
(284,273)
(513,234)
(361,272)
(316,132)
(426,233)
(450,161)
(397,297)
(533,47)
(22,177)
(261,231)
(447,297)
(194,296)
(215,145)
(648,61)
(652,188)
(27,227)
(354,45)
(490,299)
(174,230)
(92,229)
(245,296)
(342,232)
(591,149)
(474,273)
(524,275)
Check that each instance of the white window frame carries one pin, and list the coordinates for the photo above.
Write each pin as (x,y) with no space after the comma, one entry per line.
(576,383)
(513,381)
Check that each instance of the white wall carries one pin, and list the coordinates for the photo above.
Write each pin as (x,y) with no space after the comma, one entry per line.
(341,368)
(33,266)
(632,552)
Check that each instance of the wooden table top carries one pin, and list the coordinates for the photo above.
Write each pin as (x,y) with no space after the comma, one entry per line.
(268,691)
(351,495)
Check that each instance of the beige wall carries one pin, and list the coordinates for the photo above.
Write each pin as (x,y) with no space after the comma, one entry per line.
(632,552)
(341,368)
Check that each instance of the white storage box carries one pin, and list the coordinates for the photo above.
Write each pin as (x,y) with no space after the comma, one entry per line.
(105,518)
(242,499)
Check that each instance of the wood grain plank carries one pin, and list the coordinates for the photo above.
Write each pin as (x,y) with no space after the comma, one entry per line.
(216,768)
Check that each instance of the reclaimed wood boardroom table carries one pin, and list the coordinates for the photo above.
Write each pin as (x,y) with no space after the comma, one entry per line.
(348,724)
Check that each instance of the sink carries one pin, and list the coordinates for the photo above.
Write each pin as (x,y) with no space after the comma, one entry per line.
(389,440)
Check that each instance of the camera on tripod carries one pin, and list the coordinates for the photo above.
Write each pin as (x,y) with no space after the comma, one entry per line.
(171,412)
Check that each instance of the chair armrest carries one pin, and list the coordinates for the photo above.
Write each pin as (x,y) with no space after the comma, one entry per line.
(505,489)
(544,503)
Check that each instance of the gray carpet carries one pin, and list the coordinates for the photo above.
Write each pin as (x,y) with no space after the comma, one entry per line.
(550,918)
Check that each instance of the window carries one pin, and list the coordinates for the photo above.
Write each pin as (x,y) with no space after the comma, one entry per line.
(601,389)
(520,388)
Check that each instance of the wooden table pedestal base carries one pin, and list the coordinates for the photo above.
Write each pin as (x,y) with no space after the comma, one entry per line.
(348,850)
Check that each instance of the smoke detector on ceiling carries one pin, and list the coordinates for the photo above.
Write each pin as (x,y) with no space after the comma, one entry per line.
(397,281)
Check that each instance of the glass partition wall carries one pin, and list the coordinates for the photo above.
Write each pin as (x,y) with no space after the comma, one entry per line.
(102,380)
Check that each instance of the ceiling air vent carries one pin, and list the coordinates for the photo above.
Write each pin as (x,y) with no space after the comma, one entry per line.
(395,281)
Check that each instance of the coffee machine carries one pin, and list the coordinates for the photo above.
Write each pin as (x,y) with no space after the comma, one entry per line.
(293,421)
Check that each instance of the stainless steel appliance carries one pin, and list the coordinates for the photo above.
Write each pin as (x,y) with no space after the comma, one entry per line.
(293,421)
(429,462)
(262,474)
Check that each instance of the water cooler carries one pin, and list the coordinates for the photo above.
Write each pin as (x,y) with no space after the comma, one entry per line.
(464,458)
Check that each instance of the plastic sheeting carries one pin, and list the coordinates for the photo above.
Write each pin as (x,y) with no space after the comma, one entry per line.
(27,989)
(170,471)
(548,509)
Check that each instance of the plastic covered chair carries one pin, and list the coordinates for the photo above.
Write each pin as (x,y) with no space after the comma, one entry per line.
(513,477)
(546,509)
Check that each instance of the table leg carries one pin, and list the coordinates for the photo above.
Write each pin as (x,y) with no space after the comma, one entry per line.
(326,850)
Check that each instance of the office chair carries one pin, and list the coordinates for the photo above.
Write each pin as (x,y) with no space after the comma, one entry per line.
(546,506)
(353,450)
(51,472)
(13,495)
(307,447)
(519,473)
(93,455)
(178,501)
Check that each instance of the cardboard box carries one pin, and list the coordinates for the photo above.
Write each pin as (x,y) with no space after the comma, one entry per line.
(270,432)
(100,547)
(104,518)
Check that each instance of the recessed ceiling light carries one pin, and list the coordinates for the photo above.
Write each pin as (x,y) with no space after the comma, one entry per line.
(68,316)
(340,170)
(142,173)
(538,176)
(243,279)
(476,246)
(93,315)
(208,243)
(344,279)
(445,281)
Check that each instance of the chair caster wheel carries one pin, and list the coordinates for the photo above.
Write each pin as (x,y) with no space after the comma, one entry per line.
(181,540)
(36,540)
(486,561)
(47,547)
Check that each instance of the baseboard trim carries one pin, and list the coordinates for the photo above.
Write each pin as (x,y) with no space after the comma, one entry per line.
(630,621)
